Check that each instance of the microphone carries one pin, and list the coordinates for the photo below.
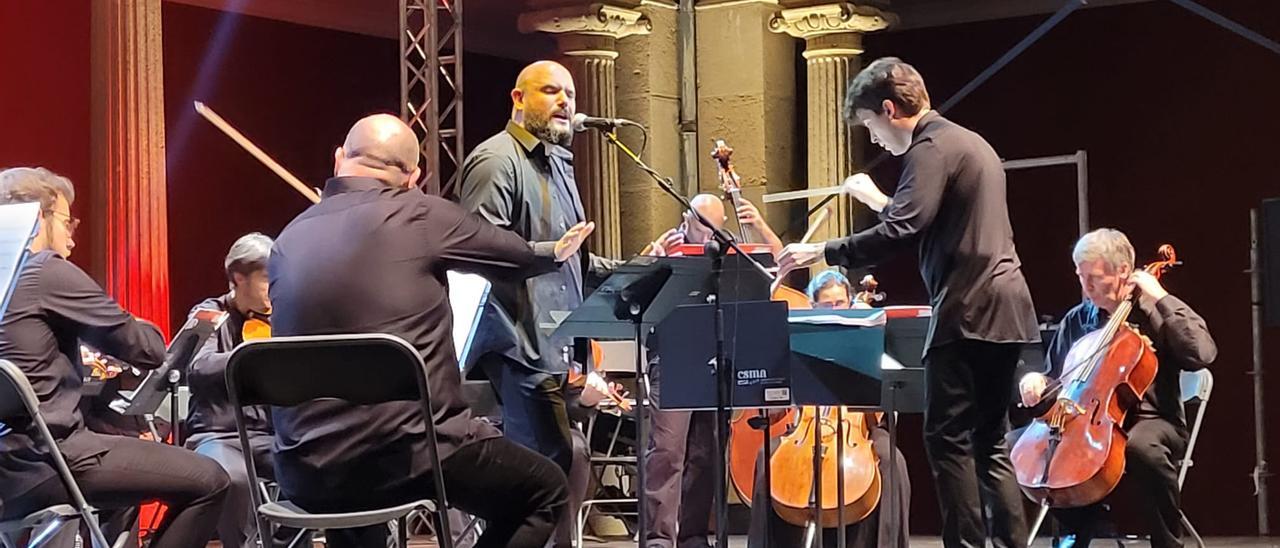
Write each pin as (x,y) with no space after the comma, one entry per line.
(582,122)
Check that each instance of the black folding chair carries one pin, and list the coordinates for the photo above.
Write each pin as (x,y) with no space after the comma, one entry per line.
(18,403)
(362,369)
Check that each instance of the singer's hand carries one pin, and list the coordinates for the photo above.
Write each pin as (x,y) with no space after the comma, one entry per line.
(864,190)
(572,240)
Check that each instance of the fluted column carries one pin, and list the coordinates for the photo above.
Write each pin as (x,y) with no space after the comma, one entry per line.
(128,173)
(833,46)
(587,39)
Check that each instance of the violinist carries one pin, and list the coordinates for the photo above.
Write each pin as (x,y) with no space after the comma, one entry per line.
(211,420)
(1157,429)
(54,306)
(883,527)
(679,484)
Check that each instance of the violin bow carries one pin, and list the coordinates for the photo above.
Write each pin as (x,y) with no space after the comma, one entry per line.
(256,152)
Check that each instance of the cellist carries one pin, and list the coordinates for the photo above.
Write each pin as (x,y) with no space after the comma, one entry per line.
(1157,429)
(679,484)
(882,528)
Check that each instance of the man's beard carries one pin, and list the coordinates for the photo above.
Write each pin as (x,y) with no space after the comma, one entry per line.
(539,124)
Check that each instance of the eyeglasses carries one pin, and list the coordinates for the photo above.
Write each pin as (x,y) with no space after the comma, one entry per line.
(70,222)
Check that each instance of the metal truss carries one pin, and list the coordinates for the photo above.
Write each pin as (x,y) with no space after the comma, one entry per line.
(431,87)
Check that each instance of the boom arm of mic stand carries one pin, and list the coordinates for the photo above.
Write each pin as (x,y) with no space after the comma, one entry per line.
(665,184)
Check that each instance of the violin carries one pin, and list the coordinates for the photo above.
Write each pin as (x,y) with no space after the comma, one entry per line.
(1105,374)
(256,326)
(578,379)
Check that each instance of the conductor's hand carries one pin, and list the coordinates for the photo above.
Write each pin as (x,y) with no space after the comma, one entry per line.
(1031,388)
(864,190)
(572,239)
(799,256)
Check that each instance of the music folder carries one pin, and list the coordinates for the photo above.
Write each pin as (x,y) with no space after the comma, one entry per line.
(182,350)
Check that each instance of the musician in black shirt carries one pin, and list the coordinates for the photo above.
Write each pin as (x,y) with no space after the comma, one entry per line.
(950,204)
(211,424)
(371,257)
(54,307)
(1157,428)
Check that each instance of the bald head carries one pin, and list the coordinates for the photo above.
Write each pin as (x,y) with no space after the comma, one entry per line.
(710,206)
(382,147)
(544,102)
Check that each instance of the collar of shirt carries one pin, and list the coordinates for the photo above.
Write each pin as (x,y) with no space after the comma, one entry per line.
(532,144)
(928,118)
(343,185)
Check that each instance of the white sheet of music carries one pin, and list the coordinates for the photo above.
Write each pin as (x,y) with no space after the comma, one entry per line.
(18,224)
(467,296)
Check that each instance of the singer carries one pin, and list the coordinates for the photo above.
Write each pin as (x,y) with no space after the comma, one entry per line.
(522,179)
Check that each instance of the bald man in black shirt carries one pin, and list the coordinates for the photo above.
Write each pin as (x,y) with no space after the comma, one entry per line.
(371,257)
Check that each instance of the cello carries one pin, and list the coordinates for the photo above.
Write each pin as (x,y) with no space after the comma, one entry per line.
(792,464)
(1074,454)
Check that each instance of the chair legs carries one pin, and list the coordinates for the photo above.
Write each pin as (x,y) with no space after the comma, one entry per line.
(1186,523)
(1035,526)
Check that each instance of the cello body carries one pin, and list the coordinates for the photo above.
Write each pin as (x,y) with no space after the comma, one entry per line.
(1073,455)
(793,487)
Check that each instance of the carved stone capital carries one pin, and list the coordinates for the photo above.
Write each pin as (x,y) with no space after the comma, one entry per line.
(595,19)
(844,17)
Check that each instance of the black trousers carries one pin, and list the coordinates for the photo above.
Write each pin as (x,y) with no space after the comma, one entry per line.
(885,527)
(1152,453)
(679,480)
(520,495)
(133,471)
(969,386)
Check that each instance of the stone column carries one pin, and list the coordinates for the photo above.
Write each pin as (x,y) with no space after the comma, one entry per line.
(833,43)
(648,73)
(747,96)
(129,210)
(587,38)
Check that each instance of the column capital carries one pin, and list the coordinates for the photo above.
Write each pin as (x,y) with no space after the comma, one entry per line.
(603,20)
(826,19)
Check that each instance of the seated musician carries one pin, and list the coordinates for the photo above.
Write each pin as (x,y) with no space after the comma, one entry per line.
(371,257)
(1157,429)
(679,483)
(55,306)
(831,290)
(211,424)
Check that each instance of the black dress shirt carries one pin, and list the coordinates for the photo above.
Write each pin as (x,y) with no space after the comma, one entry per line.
(210,407)
(55,306)
(1179,335)
(950,202)
(523,184)
(370,258)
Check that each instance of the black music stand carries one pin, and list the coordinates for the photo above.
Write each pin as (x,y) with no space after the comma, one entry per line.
(164,380)
(635,298)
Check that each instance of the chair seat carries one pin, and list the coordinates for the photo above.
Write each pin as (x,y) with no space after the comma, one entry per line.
(36,519)
(290,515)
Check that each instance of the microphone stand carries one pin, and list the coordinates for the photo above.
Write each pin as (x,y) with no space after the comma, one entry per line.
(721,241)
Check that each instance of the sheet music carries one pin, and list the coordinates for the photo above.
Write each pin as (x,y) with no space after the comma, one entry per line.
(18,225)
(468,294)
(872,320)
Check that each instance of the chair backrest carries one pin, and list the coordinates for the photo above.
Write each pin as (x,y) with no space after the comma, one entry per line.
(18,401)
(12,403)
(1196,385)
(362,369)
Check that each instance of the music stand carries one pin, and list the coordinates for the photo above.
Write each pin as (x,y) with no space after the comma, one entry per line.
(635,298)
(164,381)
(19,224)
